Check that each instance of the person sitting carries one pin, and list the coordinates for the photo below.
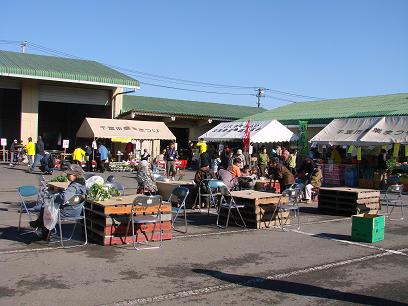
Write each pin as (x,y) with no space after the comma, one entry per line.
(145,179)
(235,168)
(315,182)
(76,187)
(247,179)
(204,173)
(284,176)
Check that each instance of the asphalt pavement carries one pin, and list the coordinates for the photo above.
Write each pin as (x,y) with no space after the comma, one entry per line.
(317,264)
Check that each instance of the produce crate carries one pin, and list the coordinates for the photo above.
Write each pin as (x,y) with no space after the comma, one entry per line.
(367,228)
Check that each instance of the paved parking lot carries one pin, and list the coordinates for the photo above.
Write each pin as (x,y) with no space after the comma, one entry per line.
(208,266)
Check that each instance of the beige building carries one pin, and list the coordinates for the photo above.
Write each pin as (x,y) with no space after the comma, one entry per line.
(51,96)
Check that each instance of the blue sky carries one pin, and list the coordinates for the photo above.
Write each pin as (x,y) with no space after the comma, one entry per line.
(327,49)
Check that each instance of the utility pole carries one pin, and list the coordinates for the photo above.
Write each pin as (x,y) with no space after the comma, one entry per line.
(23,46)
(260,93)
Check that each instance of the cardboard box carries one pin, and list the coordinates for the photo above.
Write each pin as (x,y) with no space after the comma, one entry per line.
(367,228)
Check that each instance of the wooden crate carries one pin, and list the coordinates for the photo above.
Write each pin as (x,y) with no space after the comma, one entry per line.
(348,201)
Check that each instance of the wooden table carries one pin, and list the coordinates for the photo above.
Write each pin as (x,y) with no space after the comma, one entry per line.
(166,188)
(57,186)
(348,201)
(107,221)
(259,208)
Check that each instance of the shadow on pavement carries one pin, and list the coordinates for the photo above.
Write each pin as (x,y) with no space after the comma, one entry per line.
(282,286)
(333,236)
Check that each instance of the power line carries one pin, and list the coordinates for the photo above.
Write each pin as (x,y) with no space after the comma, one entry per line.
(161,78)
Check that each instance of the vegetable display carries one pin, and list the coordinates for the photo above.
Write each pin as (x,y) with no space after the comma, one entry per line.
(100,192)
(59,178)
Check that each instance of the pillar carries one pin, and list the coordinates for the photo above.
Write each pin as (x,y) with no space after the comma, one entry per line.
(117,101)
(29,110)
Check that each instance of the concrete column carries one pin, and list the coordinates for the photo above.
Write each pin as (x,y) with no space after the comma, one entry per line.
(29,110)
(117,101)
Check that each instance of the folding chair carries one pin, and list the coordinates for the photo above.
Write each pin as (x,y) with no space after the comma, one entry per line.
(226,202)
(293,196)
(179,195)
(74,201)
(26,192)
(393,198)
(144,202)
(200,194)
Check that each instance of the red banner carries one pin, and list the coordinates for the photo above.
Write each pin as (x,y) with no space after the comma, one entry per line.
(247,136)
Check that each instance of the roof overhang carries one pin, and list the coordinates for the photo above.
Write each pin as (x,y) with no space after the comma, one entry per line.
(22,76)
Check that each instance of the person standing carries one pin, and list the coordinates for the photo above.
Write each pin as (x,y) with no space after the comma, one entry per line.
(241,156)
(291,161)
(285,155)
(170,157)
(129,151)
(13,151)
(39,153)
(202,146)
(78,155)
(315,182)
(145,155)
(263,161)
(102,157)
(30,149)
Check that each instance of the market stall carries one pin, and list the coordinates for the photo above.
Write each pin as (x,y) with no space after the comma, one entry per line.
(362,139)
(124,131)
(260,131)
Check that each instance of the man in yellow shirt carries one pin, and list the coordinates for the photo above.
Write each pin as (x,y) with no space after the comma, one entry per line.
(78,155)
(30,149)
(202,146)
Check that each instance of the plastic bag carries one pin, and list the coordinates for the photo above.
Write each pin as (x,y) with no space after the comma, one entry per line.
(92,180)
(50,216)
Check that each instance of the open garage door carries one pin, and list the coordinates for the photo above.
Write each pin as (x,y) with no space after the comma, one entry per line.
(77,95)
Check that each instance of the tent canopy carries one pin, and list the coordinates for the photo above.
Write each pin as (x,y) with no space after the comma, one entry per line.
(388,130)
(364,131)
(116,128)
(260,132)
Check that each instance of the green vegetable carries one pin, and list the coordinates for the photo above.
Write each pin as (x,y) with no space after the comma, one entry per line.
(391,165)
(59,178)
(100,192)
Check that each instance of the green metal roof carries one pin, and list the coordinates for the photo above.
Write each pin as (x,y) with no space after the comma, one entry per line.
(25,65)
(151,105)
(324,111)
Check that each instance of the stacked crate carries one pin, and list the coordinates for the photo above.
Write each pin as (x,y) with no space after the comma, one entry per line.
(108,224)
(333,175)
(348,201)
(258,213)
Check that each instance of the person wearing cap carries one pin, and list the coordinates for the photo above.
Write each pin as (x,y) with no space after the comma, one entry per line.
(241,156)
(76,187)
(281,173)
(204,173)
(145,179)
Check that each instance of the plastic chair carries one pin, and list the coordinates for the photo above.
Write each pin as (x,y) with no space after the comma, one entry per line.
(145,202)
(226,201)
(393,198)
(26,192)
(293,196)
(179,194)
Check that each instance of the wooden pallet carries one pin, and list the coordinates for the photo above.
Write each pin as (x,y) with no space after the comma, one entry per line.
(112,240)
(107,220)
(348,201)
(120,229)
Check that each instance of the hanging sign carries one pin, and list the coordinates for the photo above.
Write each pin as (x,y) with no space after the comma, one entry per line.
(3,142)
(302,142)
(396,149)
(65,144)
(358,153)
(350,149)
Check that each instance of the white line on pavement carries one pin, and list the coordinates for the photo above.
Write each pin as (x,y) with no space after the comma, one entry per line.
(211,289)
(349,242)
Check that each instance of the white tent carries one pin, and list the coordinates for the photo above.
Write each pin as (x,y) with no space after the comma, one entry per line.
(344,131)
(260,132)
(388,130)
(364,131)
(117,128)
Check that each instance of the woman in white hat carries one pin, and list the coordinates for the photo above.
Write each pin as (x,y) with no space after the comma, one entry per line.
(145,179)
